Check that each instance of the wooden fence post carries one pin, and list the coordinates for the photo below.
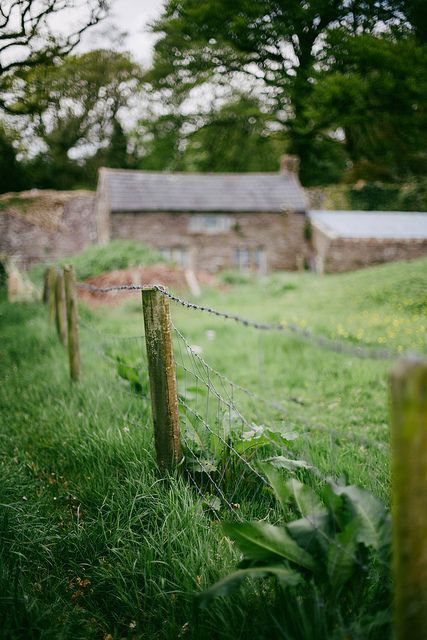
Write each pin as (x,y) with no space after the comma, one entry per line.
(161,369)
(61,315)
(51,287)
(72,322)
(409,508)
(45,297)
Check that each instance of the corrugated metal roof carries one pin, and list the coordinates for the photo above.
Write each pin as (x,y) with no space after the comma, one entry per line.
(161,191)
(399,225)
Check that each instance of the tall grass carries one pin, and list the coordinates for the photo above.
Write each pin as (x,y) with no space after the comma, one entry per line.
(92,541)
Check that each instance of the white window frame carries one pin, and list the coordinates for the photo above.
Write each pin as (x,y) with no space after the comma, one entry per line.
(178,254)
(251,259)
(209,223)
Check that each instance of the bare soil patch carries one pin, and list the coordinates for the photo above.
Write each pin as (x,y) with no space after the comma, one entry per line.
(169,276)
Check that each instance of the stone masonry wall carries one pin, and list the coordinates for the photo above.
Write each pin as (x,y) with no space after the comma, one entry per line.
(281,235)
(40,238)
(334,255)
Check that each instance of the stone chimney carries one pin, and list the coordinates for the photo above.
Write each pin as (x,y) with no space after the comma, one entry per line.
(289,165)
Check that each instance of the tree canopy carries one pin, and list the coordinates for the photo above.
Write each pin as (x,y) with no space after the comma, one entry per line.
(281,45)
(29,38)
(74,114)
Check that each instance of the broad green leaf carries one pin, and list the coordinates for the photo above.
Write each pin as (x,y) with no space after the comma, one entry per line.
(369,512)
(341,556)
(277,483)
(287,463)
(262,541)
(212,502)
(249,444)
(312,533)
(231,583)
(201,465)
(306,500)
(280,439)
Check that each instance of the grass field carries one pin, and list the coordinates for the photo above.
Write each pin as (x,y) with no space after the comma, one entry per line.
(93,543)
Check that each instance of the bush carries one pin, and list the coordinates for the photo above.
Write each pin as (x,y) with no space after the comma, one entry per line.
(118,254)
(235,277)
(374,196)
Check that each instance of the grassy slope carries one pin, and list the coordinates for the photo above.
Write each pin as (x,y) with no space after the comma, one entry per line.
(80,495)
(382,307)
(80,500)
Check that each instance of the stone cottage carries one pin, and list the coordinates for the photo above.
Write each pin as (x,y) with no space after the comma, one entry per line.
(348,240)
(209,221)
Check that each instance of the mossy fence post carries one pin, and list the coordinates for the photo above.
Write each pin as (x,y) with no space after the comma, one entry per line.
(72,322)
(409,504)
(161,370)
(51,293)
(45,296)
(60,308)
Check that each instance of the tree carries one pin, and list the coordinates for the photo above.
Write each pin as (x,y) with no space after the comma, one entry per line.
(77,119)
(236,137)
(28,40)
(375,91)
(280,43)
(11,172)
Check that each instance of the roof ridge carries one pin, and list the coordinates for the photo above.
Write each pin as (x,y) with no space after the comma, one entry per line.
(198,173)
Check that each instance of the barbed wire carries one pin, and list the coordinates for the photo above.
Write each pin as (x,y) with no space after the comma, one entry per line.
(321,341)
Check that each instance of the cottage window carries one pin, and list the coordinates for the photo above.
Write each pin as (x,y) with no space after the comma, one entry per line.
(246,259)
(179,255)
(209,223)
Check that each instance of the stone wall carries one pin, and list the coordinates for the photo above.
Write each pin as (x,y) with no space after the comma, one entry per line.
(54,228)
(280,235)
(334,255)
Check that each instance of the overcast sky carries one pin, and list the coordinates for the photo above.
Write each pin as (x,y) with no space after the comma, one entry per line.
(133,17)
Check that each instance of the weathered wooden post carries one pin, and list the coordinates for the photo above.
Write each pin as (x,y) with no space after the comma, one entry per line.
(409,508)
(72,322)
(161,369)
(51,287)
(45,296)
(60,310)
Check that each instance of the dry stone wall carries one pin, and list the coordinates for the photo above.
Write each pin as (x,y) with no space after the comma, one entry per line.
(52,228)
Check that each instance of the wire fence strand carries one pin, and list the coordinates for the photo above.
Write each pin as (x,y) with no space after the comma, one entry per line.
(306,334)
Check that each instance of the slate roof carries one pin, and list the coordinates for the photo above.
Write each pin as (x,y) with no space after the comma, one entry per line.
(397,225)
(198,192)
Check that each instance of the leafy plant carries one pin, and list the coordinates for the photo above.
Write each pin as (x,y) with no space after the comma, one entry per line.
(118,254)
(329,564)
(136,376)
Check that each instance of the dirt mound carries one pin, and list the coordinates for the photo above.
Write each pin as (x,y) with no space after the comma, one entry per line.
(171,277)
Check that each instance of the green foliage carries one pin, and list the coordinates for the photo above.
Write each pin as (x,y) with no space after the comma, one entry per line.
(334,556)
(16,202)
(413,197)
(80,497)
(374,197)
(235,277)
(280,47)
(77,123)
(11,172)
(118,254)
(375,90)
(234,138)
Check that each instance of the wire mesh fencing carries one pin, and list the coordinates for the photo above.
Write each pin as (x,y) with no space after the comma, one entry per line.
(227,429)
